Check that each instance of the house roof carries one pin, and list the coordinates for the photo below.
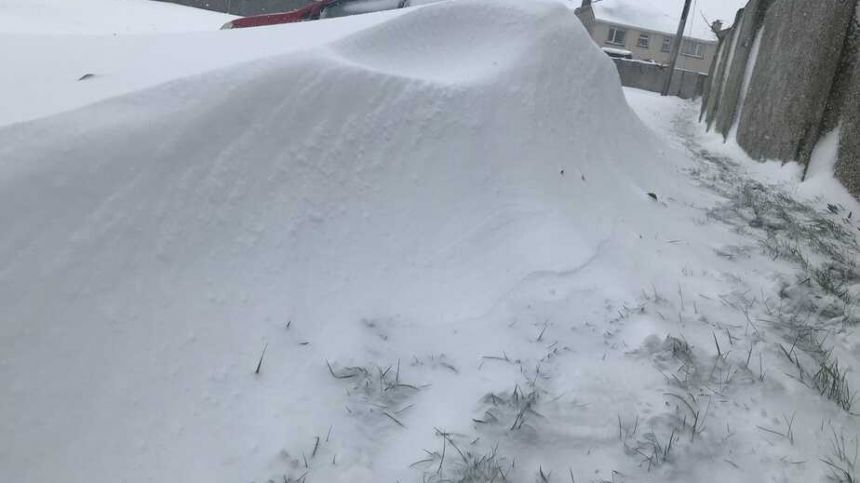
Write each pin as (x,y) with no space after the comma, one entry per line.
(663,15)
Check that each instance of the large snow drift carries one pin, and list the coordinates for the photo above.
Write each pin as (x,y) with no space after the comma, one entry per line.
(410,178)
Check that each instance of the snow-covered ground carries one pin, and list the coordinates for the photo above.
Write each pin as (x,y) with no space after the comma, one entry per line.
(435,244)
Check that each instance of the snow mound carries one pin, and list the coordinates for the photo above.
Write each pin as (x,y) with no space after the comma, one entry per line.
(419,171)
(445,44)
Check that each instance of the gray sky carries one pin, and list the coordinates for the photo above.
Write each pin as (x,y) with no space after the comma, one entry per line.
(715,9)
(663,15)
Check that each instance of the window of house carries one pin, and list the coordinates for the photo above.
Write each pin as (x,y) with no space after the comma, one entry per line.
(644,41)
(616,36)
(692,49)
(667,44)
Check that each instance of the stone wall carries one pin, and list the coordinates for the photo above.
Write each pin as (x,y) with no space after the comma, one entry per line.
(804,82)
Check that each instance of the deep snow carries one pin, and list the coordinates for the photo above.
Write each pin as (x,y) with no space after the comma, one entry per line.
(393,178)
(438,220)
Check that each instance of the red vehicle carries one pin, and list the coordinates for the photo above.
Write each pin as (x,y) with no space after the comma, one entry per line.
(312,11)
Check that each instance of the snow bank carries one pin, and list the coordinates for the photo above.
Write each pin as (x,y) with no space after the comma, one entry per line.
(415,173)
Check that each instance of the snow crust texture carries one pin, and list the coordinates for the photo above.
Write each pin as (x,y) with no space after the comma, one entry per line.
(410,175)
(434,244)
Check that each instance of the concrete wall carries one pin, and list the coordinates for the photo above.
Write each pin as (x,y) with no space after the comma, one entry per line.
(714,83)
(652,77)
(586,16)
(600,34)
(800,51)
(843,82)
(749,21)
(844,111)
(804,83)
(244,8)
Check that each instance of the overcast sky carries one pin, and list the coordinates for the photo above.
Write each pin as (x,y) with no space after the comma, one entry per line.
(713,9)
(663,15)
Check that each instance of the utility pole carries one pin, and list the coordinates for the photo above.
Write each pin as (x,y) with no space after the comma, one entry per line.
(676,47)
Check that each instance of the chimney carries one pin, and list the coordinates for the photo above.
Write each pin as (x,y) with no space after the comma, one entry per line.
(716,27)
(586,15)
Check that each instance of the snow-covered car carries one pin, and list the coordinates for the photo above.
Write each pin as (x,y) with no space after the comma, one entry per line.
(618,53)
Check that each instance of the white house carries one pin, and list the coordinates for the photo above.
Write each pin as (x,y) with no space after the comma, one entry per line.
(646,31)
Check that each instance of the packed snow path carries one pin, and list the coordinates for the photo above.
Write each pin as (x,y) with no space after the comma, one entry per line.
(792,303)
(435,245)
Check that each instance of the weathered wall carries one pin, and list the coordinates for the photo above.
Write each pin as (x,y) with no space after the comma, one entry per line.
(713,83)
(800,51)
(844,79)
(804,83)
(750,22)
(244,7)
(652,77)
(846,107)
(586,16)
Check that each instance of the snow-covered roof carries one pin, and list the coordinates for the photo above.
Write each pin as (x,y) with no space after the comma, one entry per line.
(663,15)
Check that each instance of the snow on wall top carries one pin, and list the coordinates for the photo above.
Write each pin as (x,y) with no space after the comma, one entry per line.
(663,15)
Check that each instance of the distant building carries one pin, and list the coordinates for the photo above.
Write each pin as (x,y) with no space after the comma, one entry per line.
(647,33)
